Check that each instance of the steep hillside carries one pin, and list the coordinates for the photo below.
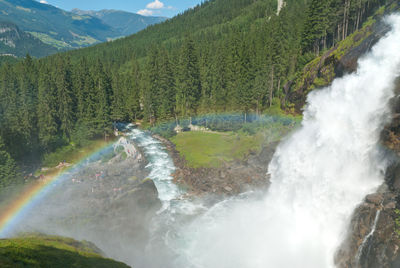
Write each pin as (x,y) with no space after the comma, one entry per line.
(54,26)
(341,58)
(16,43)
(51,251)
(211,21)
(125,22)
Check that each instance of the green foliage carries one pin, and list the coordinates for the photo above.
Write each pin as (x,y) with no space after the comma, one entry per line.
(221,57)
(8,59)
(71,153)
(18,43)
(60,155)
(8,170)
(275,108)
(331,21)
(397,221)
(51,251)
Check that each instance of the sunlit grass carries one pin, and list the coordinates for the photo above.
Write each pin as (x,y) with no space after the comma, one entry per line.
(205,149)
(36,250)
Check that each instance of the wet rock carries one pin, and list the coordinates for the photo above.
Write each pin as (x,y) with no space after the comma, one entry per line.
(228,189)
(375,199)
(380,250)
(390,205)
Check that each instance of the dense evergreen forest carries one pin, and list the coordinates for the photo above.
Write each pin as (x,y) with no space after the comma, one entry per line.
(221,56)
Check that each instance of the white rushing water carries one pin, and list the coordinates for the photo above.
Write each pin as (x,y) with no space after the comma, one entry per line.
(367,238)
(319,176)
(160,165)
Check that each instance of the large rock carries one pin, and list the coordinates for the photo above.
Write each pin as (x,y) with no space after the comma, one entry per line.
(366,247)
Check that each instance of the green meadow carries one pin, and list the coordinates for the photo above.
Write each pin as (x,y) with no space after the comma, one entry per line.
(35,250)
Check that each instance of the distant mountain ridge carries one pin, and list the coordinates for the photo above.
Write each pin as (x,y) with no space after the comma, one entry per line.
(16,43)
(125,22)
(58,29)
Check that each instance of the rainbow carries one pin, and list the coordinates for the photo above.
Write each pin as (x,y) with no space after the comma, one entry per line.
(33,195)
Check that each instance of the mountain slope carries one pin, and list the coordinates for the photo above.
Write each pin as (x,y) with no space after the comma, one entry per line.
(54,26)
(208,22)
(125,22)
(14,42)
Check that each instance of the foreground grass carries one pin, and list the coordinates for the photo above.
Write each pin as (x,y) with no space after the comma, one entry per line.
(205,149)
(51,251)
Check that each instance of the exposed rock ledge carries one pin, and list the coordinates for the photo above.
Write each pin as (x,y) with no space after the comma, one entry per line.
(233,178)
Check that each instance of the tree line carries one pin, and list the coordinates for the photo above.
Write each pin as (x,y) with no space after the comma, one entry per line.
(241,62)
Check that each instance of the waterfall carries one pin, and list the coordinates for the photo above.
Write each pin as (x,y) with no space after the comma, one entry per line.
(367,238)
(160,165)
(319,175)
(281,4)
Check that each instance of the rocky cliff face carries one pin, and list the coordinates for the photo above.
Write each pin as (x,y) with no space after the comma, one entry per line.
(9,34)
(373,237)
(341,59)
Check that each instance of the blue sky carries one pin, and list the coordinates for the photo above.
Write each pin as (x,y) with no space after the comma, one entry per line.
(167,8)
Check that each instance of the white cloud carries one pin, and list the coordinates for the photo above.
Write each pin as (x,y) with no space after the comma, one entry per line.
(145,12)
(43,2)
(155,5)
(154,8)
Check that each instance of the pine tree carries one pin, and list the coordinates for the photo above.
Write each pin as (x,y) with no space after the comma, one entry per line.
(47,110)
(132,80)
(27,102)
(188,85)
(80,88)
(166,87)
(10,128)
(103,91)
(152,84)
(316,26)
(8,170)
(118,108)
(66,113)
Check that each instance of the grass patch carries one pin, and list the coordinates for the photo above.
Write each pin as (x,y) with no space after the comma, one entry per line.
(203,149)
(72,153)
(35,250)
(212,149)
(47,39)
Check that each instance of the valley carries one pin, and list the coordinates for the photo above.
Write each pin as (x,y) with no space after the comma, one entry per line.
(238,133)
